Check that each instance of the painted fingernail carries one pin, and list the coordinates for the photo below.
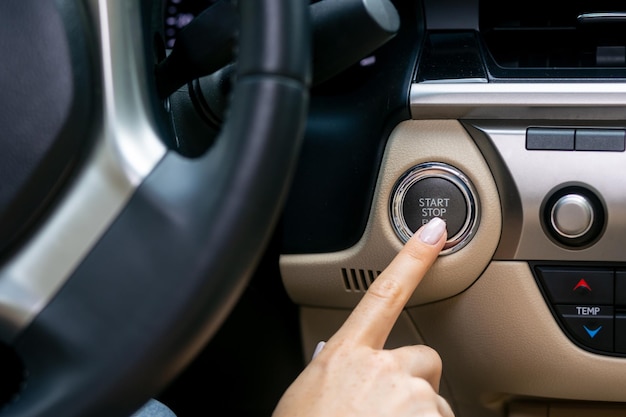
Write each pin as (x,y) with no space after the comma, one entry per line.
(318,349)
(432,232)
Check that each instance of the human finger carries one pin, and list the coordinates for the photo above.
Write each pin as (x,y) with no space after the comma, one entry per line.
(374,316)
(421,361)
(443,407)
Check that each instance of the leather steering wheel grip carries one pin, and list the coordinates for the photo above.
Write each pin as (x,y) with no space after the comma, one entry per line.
(159,281)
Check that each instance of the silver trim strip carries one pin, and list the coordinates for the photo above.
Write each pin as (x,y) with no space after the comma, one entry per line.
(602,17)
(567,100)
(127,149)
(535,175)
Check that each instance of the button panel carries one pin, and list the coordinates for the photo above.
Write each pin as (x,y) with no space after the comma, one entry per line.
(580,139)
(589,304)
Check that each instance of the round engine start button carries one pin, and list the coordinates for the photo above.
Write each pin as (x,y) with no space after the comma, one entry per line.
(435,190)
(435,197)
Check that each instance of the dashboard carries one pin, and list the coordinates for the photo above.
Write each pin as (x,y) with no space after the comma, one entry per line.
(507,120)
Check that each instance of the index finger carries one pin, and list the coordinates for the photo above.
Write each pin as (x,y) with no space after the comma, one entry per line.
(372,319)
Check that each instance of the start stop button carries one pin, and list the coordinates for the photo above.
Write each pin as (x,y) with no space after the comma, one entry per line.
(435,190)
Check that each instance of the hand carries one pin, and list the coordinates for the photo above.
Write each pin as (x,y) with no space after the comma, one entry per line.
(353,375)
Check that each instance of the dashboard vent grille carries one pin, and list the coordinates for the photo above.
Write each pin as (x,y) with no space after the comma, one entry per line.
(358,280)
(555,34)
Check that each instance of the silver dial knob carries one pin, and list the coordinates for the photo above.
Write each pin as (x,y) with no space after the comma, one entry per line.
(572,216)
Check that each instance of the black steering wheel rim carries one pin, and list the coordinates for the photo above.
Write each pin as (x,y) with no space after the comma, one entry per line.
(159,281)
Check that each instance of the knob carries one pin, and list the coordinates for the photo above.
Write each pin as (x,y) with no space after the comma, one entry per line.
(574,217)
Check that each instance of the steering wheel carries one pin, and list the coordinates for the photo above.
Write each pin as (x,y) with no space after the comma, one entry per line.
(121,257)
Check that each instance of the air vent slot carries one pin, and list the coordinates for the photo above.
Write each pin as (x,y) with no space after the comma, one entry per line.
(358,280)
(551,34)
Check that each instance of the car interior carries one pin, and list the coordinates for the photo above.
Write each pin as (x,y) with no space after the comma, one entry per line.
(195,193)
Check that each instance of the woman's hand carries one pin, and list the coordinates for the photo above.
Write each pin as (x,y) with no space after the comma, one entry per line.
(352,375)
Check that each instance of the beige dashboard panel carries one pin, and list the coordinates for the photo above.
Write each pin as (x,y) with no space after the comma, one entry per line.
(499,341)
(339,279)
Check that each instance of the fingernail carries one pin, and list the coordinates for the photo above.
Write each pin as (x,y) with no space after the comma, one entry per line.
(432,232)
(318,349)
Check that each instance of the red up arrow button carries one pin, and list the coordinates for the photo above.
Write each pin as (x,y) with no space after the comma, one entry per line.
(578,285)
(582,284)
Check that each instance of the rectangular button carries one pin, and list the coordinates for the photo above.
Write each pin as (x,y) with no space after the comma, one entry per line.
(620,332)
(550,139)
(577,286)
(600,140)
(620,288)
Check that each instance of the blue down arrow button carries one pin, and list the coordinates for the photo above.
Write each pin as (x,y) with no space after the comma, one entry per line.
(589,325)
(592,333)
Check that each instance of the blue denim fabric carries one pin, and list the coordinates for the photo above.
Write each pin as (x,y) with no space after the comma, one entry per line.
(153,408)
